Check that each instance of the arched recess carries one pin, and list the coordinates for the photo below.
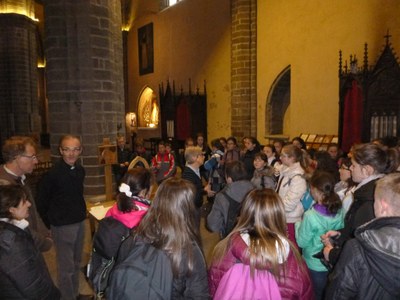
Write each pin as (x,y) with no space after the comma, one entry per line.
(148,109)
(278,101)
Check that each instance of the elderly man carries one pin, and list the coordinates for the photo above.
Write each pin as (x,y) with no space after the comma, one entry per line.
(19,154)
(369,265)
(194,160)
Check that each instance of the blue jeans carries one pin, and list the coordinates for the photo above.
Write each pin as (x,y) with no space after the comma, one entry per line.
(319,280)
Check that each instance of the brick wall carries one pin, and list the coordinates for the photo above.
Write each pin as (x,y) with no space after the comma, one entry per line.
(243,66)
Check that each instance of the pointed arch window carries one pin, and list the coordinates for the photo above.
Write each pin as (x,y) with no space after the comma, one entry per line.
(277,103)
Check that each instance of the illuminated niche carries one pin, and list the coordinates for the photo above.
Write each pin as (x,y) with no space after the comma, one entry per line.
(148,110)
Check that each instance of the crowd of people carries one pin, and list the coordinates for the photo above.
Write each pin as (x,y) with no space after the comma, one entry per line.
(294,223)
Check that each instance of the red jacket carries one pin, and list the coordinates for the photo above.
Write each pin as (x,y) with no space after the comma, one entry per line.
(294,283)
(163,166)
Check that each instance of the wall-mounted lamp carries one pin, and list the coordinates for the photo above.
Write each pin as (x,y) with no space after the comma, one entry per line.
(131,121)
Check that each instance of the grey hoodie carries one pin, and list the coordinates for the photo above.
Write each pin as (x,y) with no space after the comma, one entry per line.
(237,190)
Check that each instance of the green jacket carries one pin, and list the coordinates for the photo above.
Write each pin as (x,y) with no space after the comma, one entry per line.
(309,231)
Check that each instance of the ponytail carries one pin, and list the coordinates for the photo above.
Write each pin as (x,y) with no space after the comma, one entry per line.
(325,183)
(374,156)
(332,202)
(298,154)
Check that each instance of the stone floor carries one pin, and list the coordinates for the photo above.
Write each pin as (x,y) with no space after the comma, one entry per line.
(209,241)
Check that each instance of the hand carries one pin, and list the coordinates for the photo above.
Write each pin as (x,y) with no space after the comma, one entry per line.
(208,190)
(211,194)
(327,250)
(325,238)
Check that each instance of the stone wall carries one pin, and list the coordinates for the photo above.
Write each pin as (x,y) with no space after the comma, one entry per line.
(84,65)
(18,77)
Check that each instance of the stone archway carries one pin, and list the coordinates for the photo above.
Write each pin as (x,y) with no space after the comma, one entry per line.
(277,103)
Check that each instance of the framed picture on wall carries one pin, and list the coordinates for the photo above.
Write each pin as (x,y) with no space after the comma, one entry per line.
(146,49)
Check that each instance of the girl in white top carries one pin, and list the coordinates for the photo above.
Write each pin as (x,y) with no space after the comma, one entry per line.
(292,185)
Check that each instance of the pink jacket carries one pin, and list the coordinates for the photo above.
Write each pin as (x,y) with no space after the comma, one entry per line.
(294,283)
(130,219)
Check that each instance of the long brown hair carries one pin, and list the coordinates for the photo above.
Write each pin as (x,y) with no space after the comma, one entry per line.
(169,224)
(263,218)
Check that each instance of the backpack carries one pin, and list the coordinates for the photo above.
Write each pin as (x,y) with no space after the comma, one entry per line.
(306,200)
(144,273)
(106,242)
(237,283)
(233,213)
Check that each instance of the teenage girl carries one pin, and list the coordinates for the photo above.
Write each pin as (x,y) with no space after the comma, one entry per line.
(292,185)
(263,176)
(270,152)
(324,215)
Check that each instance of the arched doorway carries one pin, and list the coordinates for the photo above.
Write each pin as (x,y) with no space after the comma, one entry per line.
(277,103)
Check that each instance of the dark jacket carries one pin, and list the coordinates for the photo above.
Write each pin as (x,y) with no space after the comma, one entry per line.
(360,212)
(294,282)
(36,226)
(185,286)
(369,266)
(191,176)
(195,285)
(7,178)
(123,155)
(248,159)
(60,195)
(218,217)
(23,271)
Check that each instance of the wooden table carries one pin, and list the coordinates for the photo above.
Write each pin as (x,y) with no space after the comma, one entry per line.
(96,212)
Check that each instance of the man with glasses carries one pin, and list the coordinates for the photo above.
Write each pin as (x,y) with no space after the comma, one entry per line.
(63,209)
(191,172)
(19,153)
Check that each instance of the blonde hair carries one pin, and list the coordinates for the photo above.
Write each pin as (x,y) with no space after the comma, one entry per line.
(191,154)
(388,187)
(298,154)
(263,218)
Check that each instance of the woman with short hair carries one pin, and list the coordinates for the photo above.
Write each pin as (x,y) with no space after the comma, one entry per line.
(23,271)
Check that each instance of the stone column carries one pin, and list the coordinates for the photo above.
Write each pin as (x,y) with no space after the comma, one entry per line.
(243,68)
(84,67)
(18,71)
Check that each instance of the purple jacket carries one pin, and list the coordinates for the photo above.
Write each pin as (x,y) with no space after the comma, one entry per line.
(294,282)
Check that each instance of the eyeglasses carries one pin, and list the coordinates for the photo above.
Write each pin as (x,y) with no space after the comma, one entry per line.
(69,150)
(31,157)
